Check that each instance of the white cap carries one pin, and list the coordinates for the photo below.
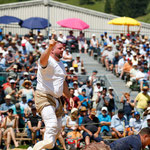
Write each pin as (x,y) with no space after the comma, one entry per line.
(60,32)
(147,42)
(110,88)
(26,73)
(104,108)
(71,68)
(148,108)
(148,117)
(73,110)
(75,82)
(12,81)
(93,35)
(7,97)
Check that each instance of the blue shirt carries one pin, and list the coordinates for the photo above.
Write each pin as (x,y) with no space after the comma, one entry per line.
(5,107)
(117,123)
(106,118)
(80,120)
(130,142)
(85,103)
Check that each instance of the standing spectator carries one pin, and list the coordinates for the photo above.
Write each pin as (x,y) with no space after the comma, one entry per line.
(141,100)
(128,105)
(110,98)
(118,125)
(34,124)
(91,127)
(93,44)
(105,122)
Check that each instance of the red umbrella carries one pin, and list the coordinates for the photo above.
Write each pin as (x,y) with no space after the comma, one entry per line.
(73,23)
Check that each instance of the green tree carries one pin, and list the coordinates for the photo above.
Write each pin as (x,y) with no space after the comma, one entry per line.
(119,7)
(107,6)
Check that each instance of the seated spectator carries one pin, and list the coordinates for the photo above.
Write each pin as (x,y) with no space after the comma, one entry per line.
(10,124)
(136,124)
(118,125)
(128,105)
(27,110)
(76,101)
(82,42)
(133,72)
(141,100)
(91,128)
(2,60)
(126,68)
(137,142)
(93,44)
(72,120)
(1,129)
(61,37)
(23,102)
(121,63)
(77,89)
(34,124)
(27,90)
(2,95)
(105,122)
(10,58)
(83,113)
(84,99)
(67,57)
(146,122)
(7,105)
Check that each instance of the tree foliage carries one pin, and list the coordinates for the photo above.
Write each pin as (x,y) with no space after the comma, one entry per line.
(107,6)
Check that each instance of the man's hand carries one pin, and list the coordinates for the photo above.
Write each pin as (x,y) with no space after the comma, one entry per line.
(90,133)
(52,43)
(95,135)
(71,102)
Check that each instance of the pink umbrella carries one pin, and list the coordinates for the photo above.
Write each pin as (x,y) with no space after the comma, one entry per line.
(73,23)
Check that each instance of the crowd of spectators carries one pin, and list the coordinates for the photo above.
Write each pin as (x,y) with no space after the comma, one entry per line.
(93,113)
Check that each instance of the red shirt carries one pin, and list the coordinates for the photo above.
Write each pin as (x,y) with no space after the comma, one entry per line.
(76,100)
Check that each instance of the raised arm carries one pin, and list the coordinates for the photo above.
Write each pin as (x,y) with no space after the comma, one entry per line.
(45,55)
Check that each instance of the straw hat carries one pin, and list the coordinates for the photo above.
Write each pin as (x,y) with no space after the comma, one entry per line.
(26,81)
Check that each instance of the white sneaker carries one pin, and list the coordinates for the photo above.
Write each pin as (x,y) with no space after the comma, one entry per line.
(30,148)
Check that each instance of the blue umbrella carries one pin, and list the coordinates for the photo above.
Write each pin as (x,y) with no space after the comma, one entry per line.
(35,23)
(9,19)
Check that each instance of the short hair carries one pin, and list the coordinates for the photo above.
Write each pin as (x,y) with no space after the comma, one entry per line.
(145,131)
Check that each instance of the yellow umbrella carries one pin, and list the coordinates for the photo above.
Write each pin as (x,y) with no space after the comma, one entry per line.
(125,21)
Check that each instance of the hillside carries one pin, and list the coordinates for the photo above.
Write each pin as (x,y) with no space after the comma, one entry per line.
(98,5)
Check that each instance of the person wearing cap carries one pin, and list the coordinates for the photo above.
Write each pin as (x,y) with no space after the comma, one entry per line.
(128,105)
(27,110)
(24,50)
(97,89)
(135,124)
(77,89)
(91,127)
(105,35)
(26,90)
(24,77)
(10,125)
(7,105)
(84,99)
(105,121)
(93,44)
(141,100)
(34,123)
(82,43)
(118,125)
(133,72)
(61,37)
(83,113)
(50,87)
(93,78)
(23,103)
(101,41)
(67,57)
(110,40)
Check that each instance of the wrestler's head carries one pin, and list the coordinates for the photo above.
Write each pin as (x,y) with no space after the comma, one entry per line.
(57,51)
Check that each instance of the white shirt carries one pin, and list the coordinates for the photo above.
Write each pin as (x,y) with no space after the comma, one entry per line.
(50,80)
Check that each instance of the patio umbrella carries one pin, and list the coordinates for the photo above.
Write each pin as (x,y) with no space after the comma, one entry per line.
(73,23)
(9,19)
(125,21)
(35,23)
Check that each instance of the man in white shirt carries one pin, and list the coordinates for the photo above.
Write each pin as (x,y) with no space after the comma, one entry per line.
(51,85)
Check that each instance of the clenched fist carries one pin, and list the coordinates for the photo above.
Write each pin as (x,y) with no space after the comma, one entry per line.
(52,43)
